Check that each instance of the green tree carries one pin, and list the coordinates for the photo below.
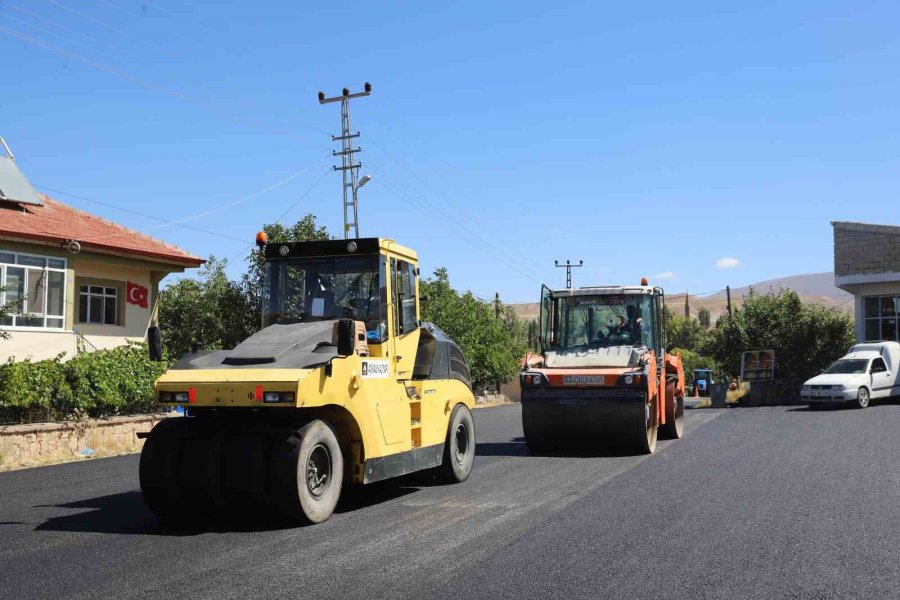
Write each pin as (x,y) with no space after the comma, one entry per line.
(684,333)
(304,230)
(805,337)
(692,360)
(703,318)
(211,311)
(490,348)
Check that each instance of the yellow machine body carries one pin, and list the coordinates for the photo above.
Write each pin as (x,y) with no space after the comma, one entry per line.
(387,421)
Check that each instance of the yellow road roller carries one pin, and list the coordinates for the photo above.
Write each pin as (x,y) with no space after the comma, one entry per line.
(343,384)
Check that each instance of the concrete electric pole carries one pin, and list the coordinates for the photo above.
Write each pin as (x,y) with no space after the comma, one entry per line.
(349,169)
(569,266)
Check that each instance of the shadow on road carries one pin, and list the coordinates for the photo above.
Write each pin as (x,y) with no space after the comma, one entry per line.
(517,447)
(127,514)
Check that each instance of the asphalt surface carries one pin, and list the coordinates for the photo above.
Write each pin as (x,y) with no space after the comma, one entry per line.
(752,503)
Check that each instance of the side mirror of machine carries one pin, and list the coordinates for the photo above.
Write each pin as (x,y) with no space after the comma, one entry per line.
(346,337)
(154,341)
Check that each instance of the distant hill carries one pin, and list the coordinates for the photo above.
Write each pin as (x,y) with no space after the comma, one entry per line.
(813,288)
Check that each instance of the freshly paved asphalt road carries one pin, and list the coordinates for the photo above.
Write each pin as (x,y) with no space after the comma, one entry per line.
(752,503)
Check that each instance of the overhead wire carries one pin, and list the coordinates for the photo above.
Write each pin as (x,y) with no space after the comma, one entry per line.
(511,255)
(88,17)
(289,209)
(398,188)
(50,33)
(140,214)
(45,19)
(222,207)
(179,95)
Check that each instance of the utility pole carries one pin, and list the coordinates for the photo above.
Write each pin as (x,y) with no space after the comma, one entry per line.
(349,169)
(728,296)
(569,266)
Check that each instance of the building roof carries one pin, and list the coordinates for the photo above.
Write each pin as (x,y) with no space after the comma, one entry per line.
(866,227)
(55,222)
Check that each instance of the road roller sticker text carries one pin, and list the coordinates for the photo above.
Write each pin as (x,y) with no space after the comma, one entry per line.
(375,369)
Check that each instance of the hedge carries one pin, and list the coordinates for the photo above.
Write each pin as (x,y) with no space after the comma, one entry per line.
(95,384)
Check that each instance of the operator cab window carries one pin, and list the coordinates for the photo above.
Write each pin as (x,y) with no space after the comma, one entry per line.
(319,289)
(404,291)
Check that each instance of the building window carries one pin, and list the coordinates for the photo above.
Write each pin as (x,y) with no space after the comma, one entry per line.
(881,315)
(36,286)
(98,304)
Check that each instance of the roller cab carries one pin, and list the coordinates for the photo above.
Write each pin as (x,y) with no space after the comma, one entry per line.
(603,377)
(343,383)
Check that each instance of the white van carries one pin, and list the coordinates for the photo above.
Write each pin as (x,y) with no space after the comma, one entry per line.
(869,371)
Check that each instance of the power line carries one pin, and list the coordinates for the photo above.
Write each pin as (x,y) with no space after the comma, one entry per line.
(46,20)
(218,208)
(426,207)
(88,17)
(141,214)
(50,33)
(512,255)
(289,209)
(238,117)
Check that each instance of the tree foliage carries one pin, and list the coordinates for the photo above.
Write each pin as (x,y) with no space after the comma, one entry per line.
(691,360)
(489,344)
(805,337)
(684,333)
(211,311)
(703,318)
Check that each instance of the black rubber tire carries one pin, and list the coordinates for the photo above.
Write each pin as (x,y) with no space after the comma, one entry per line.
(158,469)
(291,487)
(244,478)
(674,427)
(459,446)
(532,433)
(648,432)
(863,398)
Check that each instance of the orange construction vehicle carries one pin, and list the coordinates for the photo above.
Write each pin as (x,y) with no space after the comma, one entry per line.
(603,377)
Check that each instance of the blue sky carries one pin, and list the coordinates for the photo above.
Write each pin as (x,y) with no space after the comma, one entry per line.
(650,138)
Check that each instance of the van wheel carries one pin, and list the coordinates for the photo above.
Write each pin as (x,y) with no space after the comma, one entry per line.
(459,447)
(307,472)
(862,398)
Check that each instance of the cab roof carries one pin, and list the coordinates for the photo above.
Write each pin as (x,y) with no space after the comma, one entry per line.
(608,290)
(320,248)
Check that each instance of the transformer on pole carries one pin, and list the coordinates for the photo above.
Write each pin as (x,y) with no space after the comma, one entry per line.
(348,168)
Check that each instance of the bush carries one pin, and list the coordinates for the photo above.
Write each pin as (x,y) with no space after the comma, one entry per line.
(97,384)
(691,360)
(806,338)
(40,384)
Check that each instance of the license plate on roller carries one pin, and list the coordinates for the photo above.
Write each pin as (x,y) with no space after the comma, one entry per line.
(583,379)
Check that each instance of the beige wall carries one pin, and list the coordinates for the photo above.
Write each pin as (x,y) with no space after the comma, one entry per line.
(40,344)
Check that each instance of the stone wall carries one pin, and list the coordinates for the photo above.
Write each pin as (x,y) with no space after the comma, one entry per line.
(860,248)
(47,443)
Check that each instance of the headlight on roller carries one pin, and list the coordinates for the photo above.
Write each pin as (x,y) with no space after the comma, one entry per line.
(181,396)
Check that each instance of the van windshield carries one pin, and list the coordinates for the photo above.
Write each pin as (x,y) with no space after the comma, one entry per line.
(849,365)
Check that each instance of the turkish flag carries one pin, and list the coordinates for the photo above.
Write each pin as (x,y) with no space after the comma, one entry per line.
(137,294)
